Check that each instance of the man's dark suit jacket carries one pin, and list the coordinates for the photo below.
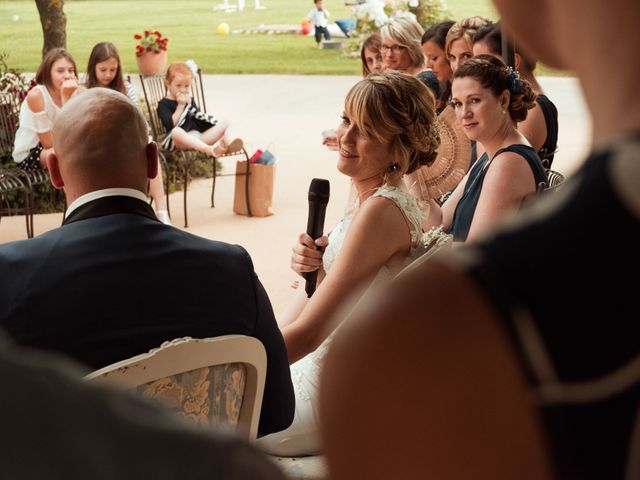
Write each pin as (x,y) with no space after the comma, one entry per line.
(114,282)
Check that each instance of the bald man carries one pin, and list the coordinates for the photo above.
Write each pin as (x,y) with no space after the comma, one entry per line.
(505,360)
(85,288)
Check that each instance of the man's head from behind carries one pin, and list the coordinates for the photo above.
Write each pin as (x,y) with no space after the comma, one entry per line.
(101,141)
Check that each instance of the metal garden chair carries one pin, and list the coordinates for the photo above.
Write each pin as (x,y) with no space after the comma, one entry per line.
(14,179)
(154,90)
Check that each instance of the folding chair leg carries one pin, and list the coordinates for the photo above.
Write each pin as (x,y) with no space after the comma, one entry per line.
(31,201)
(185,185)
(26,221)
(213,185)
(167,180)
(28,214)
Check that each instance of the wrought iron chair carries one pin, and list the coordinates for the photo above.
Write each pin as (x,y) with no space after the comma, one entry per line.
(10,183)
(555,180)
(13,179)
(161,156)
(154,90)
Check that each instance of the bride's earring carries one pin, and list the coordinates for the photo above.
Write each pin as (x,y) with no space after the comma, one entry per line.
(391,169)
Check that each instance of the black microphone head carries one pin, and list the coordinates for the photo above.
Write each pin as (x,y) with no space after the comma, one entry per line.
(319,190)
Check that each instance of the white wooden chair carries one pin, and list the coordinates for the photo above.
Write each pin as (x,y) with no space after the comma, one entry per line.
(214,381)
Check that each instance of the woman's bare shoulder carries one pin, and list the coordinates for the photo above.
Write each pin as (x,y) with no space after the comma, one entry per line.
(35,100)
(381,219)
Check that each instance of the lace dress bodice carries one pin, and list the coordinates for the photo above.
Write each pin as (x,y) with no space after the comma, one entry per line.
(305,372)
(407,205)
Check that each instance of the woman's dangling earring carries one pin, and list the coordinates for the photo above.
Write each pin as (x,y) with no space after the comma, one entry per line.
(391,169)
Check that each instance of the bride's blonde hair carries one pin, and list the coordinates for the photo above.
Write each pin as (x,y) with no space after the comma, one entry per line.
(397,110)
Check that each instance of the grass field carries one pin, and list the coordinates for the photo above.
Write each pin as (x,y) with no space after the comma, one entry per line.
(191,27)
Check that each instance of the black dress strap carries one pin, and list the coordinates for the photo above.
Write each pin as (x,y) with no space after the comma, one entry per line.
(532,158)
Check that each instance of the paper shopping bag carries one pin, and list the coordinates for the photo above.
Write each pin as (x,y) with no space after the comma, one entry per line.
(261,178)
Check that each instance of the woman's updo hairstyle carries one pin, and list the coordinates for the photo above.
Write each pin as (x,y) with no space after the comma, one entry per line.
(396,109)
(494,75)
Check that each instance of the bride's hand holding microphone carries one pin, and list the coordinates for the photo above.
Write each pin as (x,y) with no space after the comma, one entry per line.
(307,254)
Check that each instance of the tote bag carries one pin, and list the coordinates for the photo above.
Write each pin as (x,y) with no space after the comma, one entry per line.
(261,180)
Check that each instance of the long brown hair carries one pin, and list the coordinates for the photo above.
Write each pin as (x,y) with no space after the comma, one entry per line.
(43,75)
(102,52)
(372,42)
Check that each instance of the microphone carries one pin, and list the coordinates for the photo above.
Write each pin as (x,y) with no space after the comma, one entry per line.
(318,199)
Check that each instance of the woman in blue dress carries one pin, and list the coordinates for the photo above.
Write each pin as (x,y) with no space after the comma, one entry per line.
(489,100)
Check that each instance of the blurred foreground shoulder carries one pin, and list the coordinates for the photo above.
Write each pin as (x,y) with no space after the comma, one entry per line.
(424,377)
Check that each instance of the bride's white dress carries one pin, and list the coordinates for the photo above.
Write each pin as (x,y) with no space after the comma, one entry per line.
(302,438)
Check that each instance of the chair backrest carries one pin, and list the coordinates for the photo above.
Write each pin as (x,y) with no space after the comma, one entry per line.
(217,381)
(154,90)
(554,182)
(9,121)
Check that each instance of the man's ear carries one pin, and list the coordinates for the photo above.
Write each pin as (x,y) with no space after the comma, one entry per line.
(518,61)
(151,151)
(54,170)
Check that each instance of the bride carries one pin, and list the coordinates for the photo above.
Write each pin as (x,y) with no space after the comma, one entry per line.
(387,130)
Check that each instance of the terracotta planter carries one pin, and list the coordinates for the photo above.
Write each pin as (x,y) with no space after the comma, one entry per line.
(152,63)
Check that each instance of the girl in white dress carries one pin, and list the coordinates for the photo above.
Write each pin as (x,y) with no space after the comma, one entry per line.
(387,131)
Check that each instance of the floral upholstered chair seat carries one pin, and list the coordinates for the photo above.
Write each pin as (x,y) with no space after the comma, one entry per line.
(216,381)
(205,396)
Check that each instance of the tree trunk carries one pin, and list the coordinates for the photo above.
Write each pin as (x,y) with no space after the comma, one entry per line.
(54,24)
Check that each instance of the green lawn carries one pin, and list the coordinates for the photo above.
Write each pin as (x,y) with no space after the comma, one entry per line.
(191,26)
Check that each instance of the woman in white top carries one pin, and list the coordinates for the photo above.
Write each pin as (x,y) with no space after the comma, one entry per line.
(57,81)
(387,131)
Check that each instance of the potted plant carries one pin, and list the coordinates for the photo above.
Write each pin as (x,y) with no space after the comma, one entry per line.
(151,52)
